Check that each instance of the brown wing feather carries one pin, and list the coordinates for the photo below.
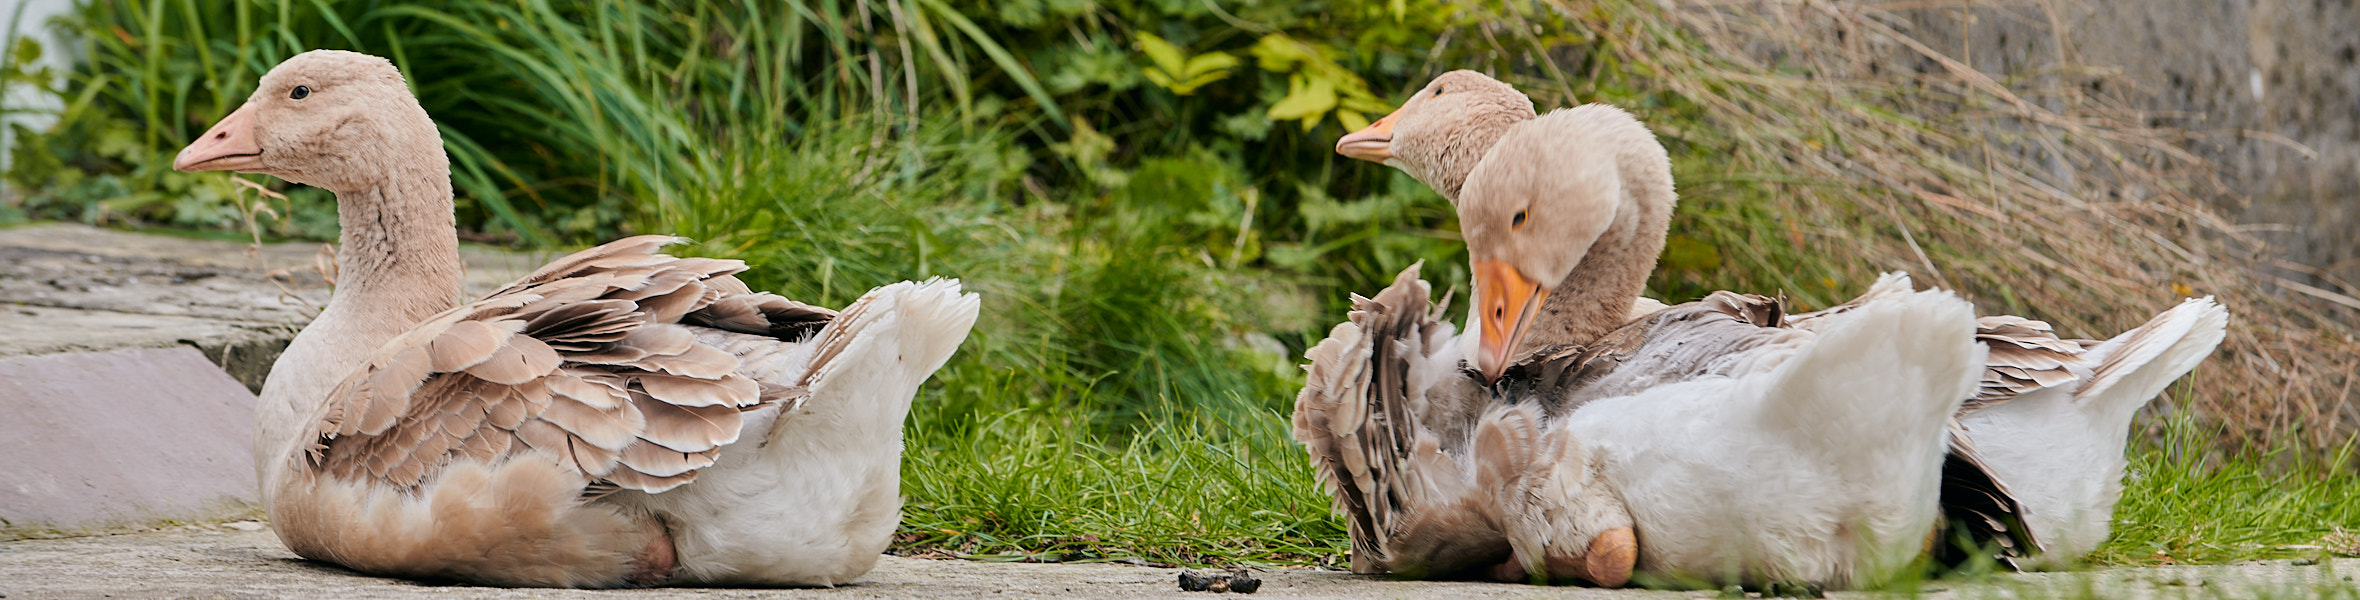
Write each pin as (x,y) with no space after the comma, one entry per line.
(1979,515)
(1390,476)
(584,362)
(2025,356)
(761,314)
(1681,342)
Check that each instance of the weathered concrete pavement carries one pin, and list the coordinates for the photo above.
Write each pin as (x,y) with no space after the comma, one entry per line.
(127,364)
(244,560)
(73,288)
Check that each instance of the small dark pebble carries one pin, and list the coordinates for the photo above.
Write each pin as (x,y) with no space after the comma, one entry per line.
(1236,580)
(1191,581)
(1244,585)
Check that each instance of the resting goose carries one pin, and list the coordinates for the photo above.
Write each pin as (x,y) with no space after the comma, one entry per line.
(1736,449)
(2040,441)
(619,417)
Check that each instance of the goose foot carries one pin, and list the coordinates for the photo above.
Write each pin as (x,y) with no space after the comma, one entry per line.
(1511,571)
(655,563)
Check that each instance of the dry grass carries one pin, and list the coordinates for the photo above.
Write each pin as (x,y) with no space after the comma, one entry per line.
(1828,145)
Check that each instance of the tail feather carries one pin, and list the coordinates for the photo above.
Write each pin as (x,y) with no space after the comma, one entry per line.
(1902,360)
(2135,366)
(930,318)
(902,332)
(2062,454)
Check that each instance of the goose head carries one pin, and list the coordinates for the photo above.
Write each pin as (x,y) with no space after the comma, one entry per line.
(1583,184)
(328,119)
(1439,134)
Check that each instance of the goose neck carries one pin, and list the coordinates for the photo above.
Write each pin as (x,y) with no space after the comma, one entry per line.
(398,261)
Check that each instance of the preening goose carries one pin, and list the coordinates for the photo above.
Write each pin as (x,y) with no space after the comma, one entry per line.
(619,417)
(1738,450)
(2052,462)
(1743,451)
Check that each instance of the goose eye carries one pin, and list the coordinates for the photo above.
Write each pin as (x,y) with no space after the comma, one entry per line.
(1438,90)
(301,92)
(1518,222)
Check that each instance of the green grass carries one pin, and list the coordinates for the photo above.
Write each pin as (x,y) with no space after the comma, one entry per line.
(2184,502)
(1187,491)
(1106,406)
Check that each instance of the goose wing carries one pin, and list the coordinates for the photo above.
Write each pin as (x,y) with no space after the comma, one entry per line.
(1371,388)
(1715,336)
(1978,510)
(591,362)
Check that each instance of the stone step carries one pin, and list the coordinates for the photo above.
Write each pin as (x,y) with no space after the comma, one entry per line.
(130,362)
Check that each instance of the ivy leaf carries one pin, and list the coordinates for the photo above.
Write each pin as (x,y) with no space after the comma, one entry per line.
(1174,70)
(1279,53)
(1209,63)
(1166,56)
(1308,99)
(1317,84)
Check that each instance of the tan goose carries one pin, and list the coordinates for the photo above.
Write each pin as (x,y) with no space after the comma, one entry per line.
(619,417)
(2060,448)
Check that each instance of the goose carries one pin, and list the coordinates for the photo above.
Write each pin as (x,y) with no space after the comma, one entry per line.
(620,417)
(1711,443)
(2036,456)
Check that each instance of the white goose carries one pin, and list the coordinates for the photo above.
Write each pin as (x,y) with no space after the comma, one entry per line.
(619,417)
(2041,441)
(1738,450)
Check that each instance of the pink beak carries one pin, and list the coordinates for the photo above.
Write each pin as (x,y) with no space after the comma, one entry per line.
(228,146)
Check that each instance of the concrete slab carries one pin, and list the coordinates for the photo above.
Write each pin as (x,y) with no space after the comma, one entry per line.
(244,560)
(128,362)
(123,438)
(244,350)
(74,288)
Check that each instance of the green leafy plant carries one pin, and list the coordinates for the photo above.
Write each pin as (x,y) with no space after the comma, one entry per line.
(1175,70)
(1316,84)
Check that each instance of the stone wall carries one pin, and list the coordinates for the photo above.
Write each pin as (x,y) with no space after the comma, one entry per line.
(2269,89)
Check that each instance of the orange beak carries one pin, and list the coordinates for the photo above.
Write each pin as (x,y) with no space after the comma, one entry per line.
(1508,302)
(228,146)
(1373,143)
